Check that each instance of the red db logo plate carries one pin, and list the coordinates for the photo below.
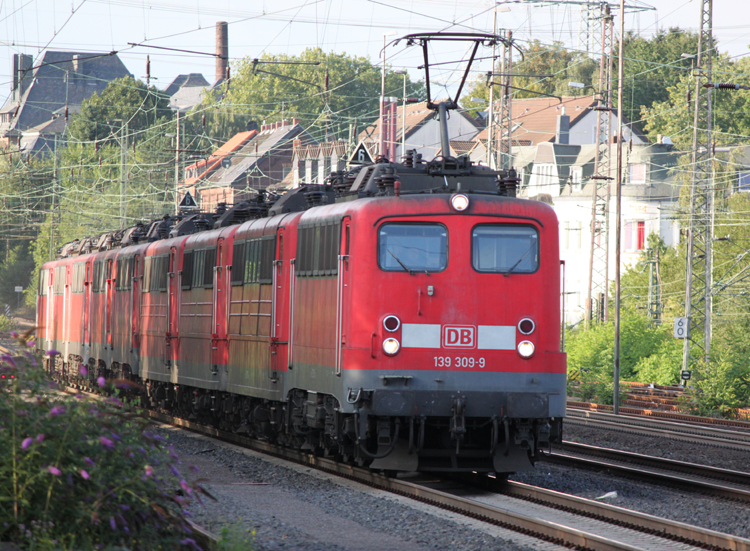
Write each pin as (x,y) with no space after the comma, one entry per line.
(459,336)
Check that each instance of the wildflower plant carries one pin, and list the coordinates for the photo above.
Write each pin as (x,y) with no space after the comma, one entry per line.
(81,473)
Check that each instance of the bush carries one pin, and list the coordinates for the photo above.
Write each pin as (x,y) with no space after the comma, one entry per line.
(80,473)
(718,391)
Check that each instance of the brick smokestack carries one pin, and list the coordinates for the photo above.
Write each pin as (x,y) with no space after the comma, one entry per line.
(222,50)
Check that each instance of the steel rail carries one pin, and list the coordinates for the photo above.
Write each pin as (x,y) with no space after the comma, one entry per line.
(573,406)
(734,485)
(668,429)
(534,526)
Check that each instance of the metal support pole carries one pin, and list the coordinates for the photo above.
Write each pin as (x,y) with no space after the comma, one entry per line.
(123,172)
(177,164)
(618,215)
(491,160)
(696,347)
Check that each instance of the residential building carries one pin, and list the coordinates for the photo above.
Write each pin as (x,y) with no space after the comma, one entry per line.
(247,165)
(53,88)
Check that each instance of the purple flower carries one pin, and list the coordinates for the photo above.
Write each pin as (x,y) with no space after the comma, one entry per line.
(172,453)
(194,469)
(57,410)
(115,436)
(52,352)
(191,542)
(149,470)
(26,443)
(113,523)
(188,490)
(83,371)
(40,438)
(88,461)
(8,359)
(106,442)
(79,396)
(14,334)
(54,470)
(84,474)
(175,471)
(101,381)
(31,343)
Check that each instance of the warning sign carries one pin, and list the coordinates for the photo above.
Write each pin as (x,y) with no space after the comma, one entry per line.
(188,202)
(361,156)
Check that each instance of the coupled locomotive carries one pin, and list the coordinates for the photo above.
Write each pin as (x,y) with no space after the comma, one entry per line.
(404,316)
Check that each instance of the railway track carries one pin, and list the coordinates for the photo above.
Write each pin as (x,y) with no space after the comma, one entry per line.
(564,520)
(648,413)
(732,434)
(714,481)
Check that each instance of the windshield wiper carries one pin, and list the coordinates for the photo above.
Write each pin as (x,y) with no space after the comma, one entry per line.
(411,272)
(506,274)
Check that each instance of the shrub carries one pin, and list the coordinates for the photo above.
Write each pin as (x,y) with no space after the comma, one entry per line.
(81,473)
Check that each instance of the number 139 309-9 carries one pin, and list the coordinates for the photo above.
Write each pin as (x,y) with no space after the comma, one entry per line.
(459,361)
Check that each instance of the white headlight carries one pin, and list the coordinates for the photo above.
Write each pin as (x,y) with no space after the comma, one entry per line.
(391,346)
(526,349)
(460,202)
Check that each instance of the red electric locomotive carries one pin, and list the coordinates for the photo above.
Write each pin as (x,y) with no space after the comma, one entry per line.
(404,316)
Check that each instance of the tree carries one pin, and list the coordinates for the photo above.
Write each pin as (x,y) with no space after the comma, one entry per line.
(538,59)
(651,64)
(673,117)
(327,97)
(123,101)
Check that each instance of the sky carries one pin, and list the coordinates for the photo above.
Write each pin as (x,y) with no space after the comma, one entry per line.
(356,27)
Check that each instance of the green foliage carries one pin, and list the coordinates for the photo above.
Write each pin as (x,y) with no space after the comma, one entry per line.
(79,473)
(235,537)
(591,354)
(652,63)
(15,271)
(328,96)
(124,101)
(673,116)
(719,390)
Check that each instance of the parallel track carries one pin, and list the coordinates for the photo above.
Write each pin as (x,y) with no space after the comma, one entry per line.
(735,436)
(625,530)
(734,485)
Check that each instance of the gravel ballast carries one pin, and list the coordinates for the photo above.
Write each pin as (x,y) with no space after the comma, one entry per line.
(294,507)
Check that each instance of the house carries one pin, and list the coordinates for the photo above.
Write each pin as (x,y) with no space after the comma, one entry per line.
(421,130)
(313,163)
(52,88)
(186,91)
(250,166)
(568,120)
(560,174)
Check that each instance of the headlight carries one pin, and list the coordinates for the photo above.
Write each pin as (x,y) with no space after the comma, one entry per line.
(526,326)
(391,346)
(526,349)
(460,202)
(391,323)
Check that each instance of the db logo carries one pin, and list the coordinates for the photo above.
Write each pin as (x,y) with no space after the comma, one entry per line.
(458,336)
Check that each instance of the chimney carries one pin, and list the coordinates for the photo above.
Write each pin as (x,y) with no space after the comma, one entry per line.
(562,130)
(222,50)
(77,65)
(295,121)
(284,123)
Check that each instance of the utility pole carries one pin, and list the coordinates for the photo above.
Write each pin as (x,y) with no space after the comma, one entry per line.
(654,289)
(618,211)
(506,107)
(697,344)
(177,164)
(599,257)
(54,197)
(123,173)
(491,159)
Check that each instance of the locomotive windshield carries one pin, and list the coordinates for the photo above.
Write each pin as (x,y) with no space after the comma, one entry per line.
(413,247)
(505,249)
